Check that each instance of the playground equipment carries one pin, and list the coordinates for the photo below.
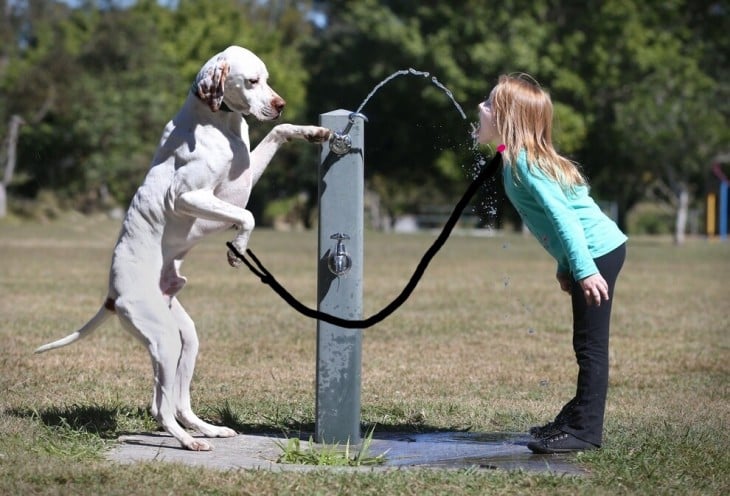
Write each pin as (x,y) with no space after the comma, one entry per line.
(718,208)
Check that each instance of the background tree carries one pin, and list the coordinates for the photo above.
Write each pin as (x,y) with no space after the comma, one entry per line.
(123,72)
(658,112)
(640,89)
(593,57)
(27,98)
(672,127)
(418,146)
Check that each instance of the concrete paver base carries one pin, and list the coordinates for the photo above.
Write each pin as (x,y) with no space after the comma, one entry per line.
(446,450)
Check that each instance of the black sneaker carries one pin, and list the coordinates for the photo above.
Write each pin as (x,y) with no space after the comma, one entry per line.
(552,428)
(560,443)
(549,429)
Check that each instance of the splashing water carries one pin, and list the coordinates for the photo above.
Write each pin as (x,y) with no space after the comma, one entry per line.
(413,72)
(487,207)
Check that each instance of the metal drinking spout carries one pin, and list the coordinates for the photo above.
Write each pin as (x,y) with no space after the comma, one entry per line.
(339,262)
(340,143)
(351,120)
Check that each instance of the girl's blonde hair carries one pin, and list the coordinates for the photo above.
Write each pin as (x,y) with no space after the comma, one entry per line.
(523,114)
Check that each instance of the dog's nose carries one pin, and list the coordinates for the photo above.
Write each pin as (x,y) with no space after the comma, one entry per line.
(278,103)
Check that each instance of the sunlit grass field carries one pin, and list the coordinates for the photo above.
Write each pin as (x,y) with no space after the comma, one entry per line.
(484,343)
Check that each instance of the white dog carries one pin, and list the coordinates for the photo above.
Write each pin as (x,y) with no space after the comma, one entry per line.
(199,183)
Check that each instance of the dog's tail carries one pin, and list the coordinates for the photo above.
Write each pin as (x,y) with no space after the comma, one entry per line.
(106,311)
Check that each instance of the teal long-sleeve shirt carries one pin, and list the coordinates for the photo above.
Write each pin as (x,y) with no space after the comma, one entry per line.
(568,223)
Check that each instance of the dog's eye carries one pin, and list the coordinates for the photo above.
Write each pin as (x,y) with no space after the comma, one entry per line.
(253,82)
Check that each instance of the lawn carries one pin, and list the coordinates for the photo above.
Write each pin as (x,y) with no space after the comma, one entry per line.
(482,344)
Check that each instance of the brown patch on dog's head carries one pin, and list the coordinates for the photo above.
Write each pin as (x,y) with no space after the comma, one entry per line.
(211,82)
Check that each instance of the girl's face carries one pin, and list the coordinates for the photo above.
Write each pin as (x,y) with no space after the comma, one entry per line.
(487,132)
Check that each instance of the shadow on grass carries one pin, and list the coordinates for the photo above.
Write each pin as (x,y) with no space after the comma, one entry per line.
(304,429)
(283,422)
(112,421)
(107,422)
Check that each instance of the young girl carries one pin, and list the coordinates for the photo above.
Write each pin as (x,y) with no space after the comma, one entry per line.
(551,196)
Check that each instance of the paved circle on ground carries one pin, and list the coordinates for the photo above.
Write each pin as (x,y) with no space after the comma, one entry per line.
(447,450)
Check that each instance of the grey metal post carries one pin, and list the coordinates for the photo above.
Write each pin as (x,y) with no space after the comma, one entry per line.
(341,186)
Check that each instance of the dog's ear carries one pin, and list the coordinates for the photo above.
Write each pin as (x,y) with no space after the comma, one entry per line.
(211,82)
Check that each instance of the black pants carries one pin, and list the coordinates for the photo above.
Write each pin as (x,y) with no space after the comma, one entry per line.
(583,415)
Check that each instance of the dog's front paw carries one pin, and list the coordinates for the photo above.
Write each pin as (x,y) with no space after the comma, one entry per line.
(240,243)
(313,134)
(233,260)
(316,134)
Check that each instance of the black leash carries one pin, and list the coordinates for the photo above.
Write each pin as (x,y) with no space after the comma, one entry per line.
(267,278)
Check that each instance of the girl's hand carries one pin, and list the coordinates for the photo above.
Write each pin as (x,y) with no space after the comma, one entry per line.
(595,289)
(565,281)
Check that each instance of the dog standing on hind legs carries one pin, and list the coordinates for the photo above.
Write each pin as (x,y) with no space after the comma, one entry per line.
(199,183)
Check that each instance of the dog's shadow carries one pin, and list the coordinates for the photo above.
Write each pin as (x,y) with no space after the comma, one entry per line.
(110,422)
(113,421)
(107,422)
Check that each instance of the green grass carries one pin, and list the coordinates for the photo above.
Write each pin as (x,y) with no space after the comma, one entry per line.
(483,344)
(333,455)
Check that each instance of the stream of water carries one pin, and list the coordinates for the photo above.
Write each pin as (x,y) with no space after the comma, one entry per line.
(413,72)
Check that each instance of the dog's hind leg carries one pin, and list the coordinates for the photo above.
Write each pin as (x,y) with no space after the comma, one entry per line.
(150,319)
(184,375)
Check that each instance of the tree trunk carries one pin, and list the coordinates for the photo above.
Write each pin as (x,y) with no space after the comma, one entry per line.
(680,225)
(3,201)
(12,144)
